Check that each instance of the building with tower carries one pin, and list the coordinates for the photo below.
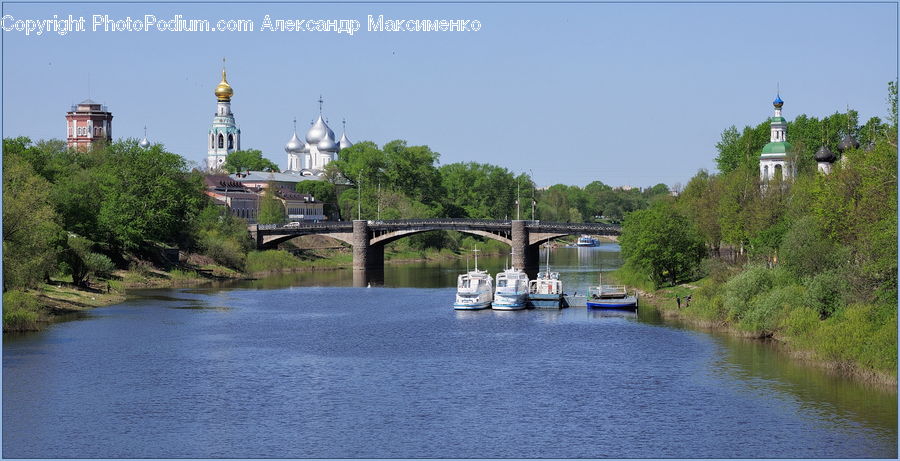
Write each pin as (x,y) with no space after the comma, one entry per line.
(86,123)
(224,135)
(777,158)
(320,147)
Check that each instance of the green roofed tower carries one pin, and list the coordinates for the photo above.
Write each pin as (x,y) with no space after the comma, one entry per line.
(777,159)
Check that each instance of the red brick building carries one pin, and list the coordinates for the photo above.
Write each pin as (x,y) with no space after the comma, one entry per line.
(86,123)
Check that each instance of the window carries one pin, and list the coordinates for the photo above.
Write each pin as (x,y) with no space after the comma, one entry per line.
(230,141)
(221,141)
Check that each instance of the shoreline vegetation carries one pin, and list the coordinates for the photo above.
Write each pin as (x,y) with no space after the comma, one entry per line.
(831,347)
(58,300)
(807,260)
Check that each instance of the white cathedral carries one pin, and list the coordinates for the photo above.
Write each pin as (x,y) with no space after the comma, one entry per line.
(310,157)
(304,158)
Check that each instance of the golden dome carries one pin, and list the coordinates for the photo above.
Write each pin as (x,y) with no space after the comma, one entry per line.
(224,91)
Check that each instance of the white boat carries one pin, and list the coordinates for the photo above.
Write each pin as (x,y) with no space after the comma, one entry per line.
(587,241)
(546,291)
(474,289)
(511,293)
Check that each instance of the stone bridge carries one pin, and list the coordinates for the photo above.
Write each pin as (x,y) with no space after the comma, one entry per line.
(369,237)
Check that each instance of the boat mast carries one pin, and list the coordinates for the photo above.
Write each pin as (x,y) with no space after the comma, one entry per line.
(476,250)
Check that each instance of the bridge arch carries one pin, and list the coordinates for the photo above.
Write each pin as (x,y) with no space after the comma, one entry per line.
(272,241)
(389,237)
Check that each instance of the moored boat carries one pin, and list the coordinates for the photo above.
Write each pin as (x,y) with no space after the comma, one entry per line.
(611,297)
(474,289)
(511,292)
(546,291)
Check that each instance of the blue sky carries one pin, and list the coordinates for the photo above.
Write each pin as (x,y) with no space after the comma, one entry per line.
(631,94)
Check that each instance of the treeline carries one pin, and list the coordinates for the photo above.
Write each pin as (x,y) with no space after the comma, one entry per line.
(813,260)
(398,181)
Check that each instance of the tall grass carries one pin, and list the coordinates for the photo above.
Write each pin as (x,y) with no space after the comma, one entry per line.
(811,314)
(21,311)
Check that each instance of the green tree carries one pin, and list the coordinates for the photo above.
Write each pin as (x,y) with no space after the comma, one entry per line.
(481,190)
(250,159)
(222,236)
(411,170)
(271,209)
(146,196)
(31,233)
(79,261)
(661,243)
(322,191)
(699,203)
(730,153)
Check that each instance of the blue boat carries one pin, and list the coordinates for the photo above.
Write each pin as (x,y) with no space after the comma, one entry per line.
(587,241)
(611,297)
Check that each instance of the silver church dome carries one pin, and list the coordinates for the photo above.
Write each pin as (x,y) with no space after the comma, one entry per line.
(327,143)
(295,145)
(318,131)
(345,142)
(144,143)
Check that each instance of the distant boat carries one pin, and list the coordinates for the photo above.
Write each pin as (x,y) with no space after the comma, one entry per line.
(474,289)
(511,293)
(587,241)
(546,291)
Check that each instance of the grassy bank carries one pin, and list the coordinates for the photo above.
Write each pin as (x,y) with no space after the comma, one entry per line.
(855,339)
(34,309)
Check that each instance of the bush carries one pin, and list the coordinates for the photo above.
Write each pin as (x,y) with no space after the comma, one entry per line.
(825,293)
(20,311)
(766,310)
(805,251)
(225,251)
(80,262)
(742,288)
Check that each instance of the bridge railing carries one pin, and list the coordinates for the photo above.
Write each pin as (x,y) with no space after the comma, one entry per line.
(412,223)
(307,225)
(439,222)
(563,226)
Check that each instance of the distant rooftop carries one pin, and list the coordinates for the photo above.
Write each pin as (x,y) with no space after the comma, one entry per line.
(265,176)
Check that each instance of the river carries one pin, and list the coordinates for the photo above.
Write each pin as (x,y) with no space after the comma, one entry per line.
(305,365)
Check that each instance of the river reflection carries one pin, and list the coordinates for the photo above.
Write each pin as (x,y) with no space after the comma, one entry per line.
(305,365)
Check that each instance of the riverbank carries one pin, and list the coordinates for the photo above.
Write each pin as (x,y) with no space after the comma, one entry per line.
(846,344)
(60,300)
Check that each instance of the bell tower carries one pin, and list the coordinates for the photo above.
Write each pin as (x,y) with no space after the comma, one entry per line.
(224,135)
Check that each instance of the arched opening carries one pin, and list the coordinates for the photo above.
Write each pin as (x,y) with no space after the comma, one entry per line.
(230,141)
(778,173)
(221,141)
(765,172)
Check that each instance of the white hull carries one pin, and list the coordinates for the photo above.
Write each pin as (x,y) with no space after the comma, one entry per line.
(472,307)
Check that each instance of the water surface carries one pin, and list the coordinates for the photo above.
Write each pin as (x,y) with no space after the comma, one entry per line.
(304,365)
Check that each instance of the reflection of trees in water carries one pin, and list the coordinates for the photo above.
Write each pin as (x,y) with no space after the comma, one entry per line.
(762,366)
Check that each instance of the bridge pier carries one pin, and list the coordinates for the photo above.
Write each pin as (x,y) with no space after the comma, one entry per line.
(368,259)
(524,256)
